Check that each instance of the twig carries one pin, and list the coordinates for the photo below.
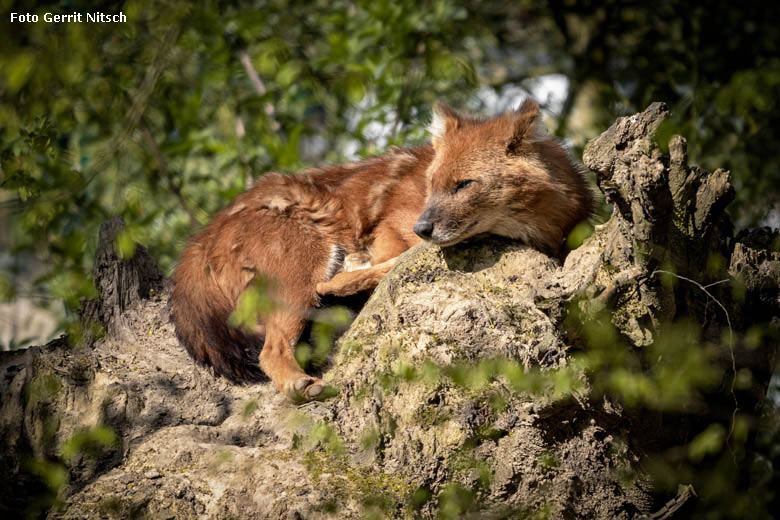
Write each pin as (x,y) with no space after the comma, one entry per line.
(138,103)
(684,492)
(731,337)
(707,307)
(716,283)
(166,174)
(259,86)
(254,77)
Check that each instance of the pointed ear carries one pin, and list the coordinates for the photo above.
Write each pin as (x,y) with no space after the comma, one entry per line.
(527,126)
(445,119)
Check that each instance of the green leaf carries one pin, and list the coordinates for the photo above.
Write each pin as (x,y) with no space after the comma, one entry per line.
(16,70)
(708,442)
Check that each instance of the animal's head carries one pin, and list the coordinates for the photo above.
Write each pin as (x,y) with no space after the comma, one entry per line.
(501,176)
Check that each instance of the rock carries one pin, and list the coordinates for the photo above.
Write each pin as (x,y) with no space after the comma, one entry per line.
(152,474)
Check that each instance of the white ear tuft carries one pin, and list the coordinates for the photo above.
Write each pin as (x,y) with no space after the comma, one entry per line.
(444,120)
(438,126)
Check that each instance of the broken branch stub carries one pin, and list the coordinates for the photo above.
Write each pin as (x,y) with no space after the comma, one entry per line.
(120,282)
(673,213)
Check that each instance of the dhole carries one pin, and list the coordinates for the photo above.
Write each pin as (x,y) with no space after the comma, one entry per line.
(305,232)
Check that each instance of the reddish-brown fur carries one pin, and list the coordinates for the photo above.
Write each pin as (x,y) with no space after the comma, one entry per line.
(310,233)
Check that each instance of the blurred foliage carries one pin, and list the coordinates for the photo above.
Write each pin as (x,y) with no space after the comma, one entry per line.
(88,443)
(167,117)
(731,462)
(164,119)
(254,302)
(328,323)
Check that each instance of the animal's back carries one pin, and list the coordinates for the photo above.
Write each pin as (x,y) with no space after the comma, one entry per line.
(293,229)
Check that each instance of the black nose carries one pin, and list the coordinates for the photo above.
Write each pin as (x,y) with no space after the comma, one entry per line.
(424,229)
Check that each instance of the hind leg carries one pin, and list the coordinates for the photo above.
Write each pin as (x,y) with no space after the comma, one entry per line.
(278,360)
(292,261)
(291,254)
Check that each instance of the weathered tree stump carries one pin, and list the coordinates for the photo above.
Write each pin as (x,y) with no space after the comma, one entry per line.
(120,283)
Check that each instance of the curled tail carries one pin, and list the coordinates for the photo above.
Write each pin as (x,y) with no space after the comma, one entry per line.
(200,311)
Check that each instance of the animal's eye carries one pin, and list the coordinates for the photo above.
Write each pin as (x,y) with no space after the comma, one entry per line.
(462,184)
